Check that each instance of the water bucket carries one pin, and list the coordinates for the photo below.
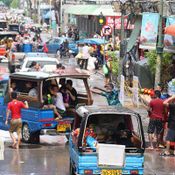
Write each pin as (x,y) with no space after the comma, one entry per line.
(27,48)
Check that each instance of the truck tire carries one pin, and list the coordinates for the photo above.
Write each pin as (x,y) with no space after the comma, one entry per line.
(29,137)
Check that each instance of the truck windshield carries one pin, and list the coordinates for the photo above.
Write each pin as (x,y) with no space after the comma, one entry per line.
(115,129)
(41,63)
(3,88)
(3,24)
(14,28)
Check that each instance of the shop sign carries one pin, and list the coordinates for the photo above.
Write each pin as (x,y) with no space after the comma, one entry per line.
(110,22)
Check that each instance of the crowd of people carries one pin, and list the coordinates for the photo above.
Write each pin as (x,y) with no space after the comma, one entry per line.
(60,98)
(16,44)
(161,127)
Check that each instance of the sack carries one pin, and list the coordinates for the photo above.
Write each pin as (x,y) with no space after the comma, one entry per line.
(45,49)
(105,69)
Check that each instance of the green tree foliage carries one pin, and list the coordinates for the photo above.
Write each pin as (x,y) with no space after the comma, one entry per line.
(115,64)
(14,4)
(165,65)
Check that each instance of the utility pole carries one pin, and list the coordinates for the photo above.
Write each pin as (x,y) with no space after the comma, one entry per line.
(123,7)
(61,18)
(122,32)
(39,12)
(159,48)
(50,20)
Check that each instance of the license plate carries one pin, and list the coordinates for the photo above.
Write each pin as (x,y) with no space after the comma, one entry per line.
(63,127)
(111,172)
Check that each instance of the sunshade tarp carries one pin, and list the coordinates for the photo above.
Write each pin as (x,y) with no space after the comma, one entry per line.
(106,10)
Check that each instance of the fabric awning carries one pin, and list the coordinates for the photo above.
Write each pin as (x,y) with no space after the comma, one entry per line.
(107,10)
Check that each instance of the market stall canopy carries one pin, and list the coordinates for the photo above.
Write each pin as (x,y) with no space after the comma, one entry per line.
(96,41)
(170,30)
(107,10)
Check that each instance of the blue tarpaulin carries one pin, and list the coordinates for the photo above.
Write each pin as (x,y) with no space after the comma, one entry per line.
(96,41)
(47,15)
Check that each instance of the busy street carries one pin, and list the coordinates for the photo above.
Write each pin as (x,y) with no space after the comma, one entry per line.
(87,87)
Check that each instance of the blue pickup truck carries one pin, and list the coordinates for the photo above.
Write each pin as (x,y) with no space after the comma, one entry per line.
(36,120)
(106,141)
(54,44)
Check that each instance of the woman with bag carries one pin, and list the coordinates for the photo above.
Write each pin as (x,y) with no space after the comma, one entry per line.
(107,70)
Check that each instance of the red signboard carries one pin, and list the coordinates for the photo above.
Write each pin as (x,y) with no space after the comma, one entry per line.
(110,22)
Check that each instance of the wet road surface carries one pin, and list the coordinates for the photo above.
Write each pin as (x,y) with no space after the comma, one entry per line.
(31,159)
(53,159)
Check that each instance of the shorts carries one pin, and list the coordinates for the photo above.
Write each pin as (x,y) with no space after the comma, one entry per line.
(155,125)
(15,126)
(170,135)
(60,111)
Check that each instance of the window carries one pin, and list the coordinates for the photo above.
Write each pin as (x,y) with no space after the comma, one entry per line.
(58,41)
(50,41)
(115,129)
(71,41)
(25,87)
(41,63)
(79,85)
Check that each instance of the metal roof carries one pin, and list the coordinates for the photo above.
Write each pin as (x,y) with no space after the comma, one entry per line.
(69,72)
(103,109)
(107,10)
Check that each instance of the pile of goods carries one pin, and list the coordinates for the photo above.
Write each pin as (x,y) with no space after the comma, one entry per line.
(146,91)
(89,137)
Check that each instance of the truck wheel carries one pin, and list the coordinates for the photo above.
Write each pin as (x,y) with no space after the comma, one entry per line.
(29,137)
(71,169)
(26,133)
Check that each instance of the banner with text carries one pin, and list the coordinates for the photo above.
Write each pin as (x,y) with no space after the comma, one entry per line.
(110,21)
(149,30)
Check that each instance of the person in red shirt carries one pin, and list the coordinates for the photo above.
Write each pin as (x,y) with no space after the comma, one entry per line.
(156,109)
(14,107)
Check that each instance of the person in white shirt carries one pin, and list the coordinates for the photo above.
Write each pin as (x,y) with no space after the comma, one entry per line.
(58,100)
(31,90)
(86,55)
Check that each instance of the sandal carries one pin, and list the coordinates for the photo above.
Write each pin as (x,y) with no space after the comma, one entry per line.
(164,154)
(161,146)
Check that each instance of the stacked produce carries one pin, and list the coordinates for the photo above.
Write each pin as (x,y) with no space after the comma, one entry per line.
(146,91)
